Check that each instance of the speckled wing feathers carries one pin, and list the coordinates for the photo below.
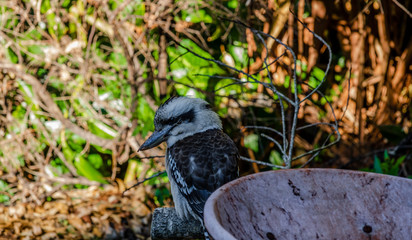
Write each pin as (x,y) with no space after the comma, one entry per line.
(201,163)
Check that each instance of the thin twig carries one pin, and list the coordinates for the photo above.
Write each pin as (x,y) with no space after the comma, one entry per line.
(403,8)
(144,180)
(262,163)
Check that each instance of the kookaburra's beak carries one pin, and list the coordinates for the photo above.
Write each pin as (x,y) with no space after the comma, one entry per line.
(157,138)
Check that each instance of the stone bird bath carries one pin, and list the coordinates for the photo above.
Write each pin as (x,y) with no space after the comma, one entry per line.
(311,204)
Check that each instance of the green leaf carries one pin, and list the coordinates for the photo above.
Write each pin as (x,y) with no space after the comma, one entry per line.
(96,160)
(316,77)
(19,113)
(233,4)
(304,66)
(87,170)
(145,115)
(33,35)
(27,93)
(276,158)
(102,150)
(66,3)
(11,55)
(251,141)
(36,50)
(59,166)
(197,16)
(12,23)
(75,142)
(186,68)
(318,73)
(139,10)
(338,78)
(4,187)
(101,129)
(323,100)
(216,34)
(341,62)
(117,60)
(286,82)
(160,195)
(377,165)
(239,54)
(313,82)
(45,6)
(386,156)
(399,161)
(68,153)
(51,22)
(226,87)
(393,165)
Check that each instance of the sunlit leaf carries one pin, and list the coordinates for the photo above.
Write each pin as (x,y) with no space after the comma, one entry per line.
(233,4)
(316,77)
(87,170)
(276,158)
(186,68)
(45,6)
(251,141)
(240,55)
(101,129)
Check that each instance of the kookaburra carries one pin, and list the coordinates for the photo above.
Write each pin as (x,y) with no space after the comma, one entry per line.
(200,157)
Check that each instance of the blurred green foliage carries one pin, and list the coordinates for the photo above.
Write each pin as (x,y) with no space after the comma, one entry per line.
(387,165)
(72,48)
(251,141)
(4,188)
(100,100)
(186,68)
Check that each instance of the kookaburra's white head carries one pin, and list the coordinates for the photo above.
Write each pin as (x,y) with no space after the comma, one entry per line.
(180,117)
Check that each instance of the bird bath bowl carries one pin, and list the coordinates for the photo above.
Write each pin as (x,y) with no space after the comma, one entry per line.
(311,204)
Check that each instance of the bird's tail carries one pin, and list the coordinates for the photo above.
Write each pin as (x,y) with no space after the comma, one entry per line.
(206,234)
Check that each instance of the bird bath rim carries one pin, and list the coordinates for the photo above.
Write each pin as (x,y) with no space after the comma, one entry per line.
(212,218)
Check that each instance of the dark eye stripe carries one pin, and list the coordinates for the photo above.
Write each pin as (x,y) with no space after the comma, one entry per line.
(188,116)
